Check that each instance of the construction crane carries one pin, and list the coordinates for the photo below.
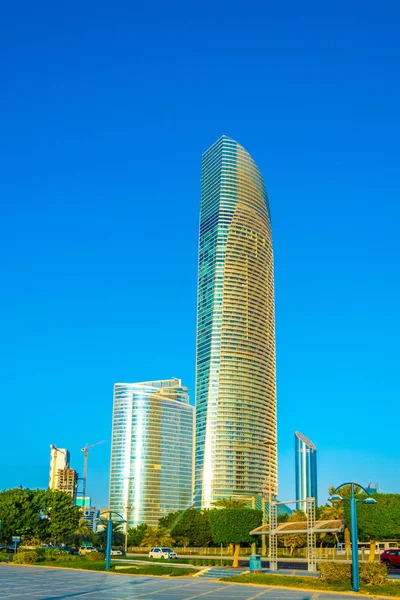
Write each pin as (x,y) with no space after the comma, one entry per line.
(85,451)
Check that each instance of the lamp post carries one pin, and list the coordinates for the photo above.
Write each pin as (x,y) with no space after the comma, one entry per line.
(335,497)
(109,532)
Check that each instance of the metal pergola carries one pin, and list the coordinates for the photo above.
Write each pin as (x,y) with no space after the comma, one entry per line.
(309,528)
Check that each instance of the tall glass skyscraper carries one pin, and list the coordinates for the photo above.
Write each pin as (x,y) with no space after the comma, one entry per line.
(152,450)
(235,387)
(306,470)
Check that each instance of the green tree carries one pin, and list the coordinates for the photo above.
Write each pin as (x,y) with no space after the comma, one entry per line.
(136,534)
(61,516)
(117,537)
(230,502)
(194,525)
(83,529)
(380,521)
(159,536)
(328,513)
(345,492)
(294,540)
(37,514)
(233,526)
(170,519)
(19,514)
(283,518)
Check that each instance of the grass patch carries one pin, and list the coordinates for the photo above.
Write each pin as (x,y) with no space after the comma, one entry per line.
(91,565)
(199,562)
(158,570)
(390,588)
(78,563)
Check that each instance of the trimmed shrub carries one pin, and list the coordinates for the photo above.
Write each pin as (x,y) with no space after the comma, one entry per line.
(335,572)
(94,556)
(67,557)
(28,557)
(373,574)
(5,557)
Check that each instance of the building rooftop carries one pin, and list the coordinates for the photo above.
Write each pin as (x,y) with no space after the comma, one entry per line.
(305,440)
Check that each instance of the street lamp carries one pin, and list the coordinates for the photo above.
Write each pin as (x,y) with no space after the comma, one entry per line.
(109,533)
(335,497)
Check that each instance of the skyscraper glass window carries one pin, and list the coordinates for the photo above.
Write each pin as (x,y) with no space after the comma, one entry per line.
(235,380)
(152,449)
(306,470)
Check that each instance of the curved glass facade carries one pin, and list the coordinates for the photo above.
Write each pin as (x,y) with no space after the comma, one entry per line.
(151,453)
(306,470)
(235,381)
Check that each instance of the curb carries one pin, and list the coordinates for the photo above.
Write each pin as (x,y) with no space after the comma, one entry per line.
(199,573)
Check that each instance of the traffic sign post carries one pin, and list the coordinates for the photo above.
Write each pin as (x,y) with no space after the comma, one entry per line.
(16,539)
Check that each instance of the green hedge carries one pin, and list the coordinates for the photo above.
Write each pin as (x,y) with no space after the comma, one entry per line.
(336,572)
(373,574)
(5,556)
(52,554)
(92,556)
(26,557)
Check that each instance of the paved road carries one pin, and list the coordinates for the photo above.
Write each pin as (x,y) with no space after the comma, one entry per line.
(295,565)
(35,583)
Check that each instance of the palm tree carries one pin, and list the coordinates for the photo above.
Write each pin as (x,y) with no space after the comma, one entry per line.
(158,536)
(117,537)
(230,502)
(83,528)
(345,492)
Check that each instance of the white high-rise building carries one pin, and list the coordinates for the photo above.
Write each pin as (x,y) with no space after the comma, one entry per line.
(152,450)
(59,460)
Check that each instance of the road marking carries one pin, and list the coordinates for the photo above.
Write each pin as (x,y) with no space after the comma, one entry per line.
(213,591)
(191,584)
(260,594)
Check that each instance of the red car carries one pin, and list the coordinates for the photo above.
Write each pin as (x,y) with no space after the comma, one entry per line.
(391,558)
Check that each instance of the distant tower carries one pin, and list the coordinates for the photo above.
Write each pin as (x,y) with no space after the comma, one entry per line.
(68,482)
(306,469)
(61,476)
(59,459)
(151,471)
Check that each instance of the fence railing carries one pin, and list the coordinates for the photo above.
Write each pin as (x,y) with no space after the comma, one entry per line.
(321,553)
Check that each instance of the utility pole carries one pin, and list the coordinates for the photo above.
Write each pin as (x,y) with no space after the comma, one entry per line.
(85,451)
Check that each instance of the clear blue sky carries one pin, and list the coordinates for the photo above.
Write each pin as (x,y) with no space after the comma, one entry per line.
(105,110)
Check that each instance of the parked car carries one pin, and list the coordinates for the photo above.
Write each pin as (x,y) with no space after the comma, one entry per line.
(391,558)
(162,553)
(116,552)
(86,549)
(9,549)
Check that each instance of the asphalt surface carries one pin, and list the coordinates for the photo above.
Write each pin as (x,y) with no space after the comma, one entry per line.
(294,565)
(35,583)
